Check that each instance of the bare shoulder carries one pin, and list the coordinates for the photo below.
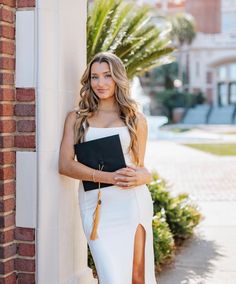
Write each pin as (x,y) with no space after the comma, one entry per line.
(71,117)
(141,120)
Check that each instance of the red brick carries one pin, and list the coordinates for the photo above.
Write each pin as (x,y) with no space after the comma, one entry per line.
(25,3)
(207,15)
(7,251)
(7,205)
(23,141)
(6,79)
(7,63)
(7,94)
(6,141)
(24,234)
(26,278)
(10,279)
(6,109)
(27,265)
(7,126)
(24,110)
(6,236)
(7,158)
(6,266)
(7,47)
(7,220)
(26,249)
(26,125)
(25,95)
(7,188)
(7,31)
(11,3)
(7,15)
(7,173)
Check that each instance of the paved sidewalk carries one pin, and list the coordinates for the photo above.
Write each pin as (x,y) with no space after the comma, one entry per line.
(210,256)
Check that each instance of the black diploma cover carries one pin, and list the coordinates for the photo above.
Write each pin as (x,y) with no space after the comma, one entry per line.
(106,152)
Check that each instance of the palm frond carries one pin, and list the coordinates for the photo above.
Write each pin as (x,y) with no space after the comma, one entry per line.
(119,21)
(126,30)
(154,59)
(100,14)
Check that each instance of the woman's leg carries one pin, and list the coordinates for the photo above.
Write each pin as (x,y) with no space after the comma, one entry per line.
(138,276)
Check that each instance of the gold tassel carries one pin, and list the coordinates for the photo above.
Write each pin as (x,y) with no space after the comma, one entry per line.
(96,218)
(96,215)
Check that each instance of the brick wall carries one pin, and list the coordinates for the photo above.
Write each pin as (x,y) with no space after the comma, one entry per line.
(17,133)
(25,260)
(24,112)
(207,14)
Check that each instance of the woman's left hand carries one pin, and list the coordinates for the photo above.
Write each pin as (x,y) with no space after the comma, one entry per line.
(132,176)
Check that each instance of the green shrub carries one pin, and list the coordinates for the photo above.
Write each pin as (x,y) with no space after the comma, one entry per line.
(91,263)
(182,216)
(180,213)
(160,196)
(173,98)
(163,241)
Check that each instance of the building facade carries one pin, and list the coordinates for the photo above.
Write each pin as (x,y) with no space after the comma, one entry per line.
(211,58)
(210,61)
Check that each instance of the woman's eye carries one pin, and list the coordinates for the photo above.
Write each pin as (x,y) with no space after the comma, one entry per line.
(108,75)
(93,77)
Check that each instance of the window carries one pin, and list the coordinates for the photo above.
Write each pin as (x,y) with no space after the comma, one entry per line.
(222,73)
(226,84)
(232,93)
(232,71)
(197,69)
(228,22)
(223,94)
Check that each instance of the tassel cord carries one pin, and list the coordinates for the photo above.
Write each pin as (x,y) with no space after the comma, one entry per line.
(97,213)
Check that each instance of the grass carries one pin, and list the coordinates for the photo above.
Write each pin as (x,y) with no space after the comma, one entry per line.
(230,133)
(178,130)
(221,149)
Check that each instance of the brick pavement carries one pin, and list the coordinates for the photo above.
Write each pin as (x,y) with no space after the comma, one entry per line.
(204,176)
(210,256)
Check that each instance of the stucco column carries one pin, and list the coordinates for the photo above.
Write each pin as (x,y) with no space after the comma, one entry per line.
(61,58)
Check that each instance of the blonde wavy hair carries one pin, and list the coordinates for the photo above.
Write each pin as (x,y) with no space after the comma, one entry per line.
(88,104)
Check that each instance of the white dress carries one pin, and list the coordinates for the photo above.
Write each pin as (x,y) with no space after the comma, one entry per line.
(121,212)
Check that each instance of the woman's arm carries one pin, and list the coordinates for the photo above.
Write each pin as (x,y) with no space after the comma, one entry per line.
(68,166)
(132,176)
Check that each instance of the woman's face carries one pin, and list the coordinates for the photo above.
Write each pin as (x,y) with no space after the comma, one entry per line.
(102,82)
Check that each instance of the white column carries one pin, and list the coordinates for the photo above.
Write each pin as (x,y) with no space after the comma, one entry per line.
(61,58)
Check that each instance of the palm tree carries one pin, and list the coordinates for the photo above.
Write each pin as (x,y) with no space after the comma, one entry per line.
(183,32)
(126,30)
(166,74)
(183,28)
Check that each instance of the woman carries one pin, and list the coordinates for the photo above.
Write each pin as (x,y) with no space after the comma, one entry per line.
(123,250)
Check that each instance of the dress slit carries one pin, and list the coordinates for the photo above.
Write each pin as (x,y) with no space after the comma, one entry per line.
(134,244)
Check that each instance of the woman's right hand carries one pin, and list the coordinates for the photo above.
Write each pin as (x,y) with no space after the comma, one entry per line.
(132,176)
